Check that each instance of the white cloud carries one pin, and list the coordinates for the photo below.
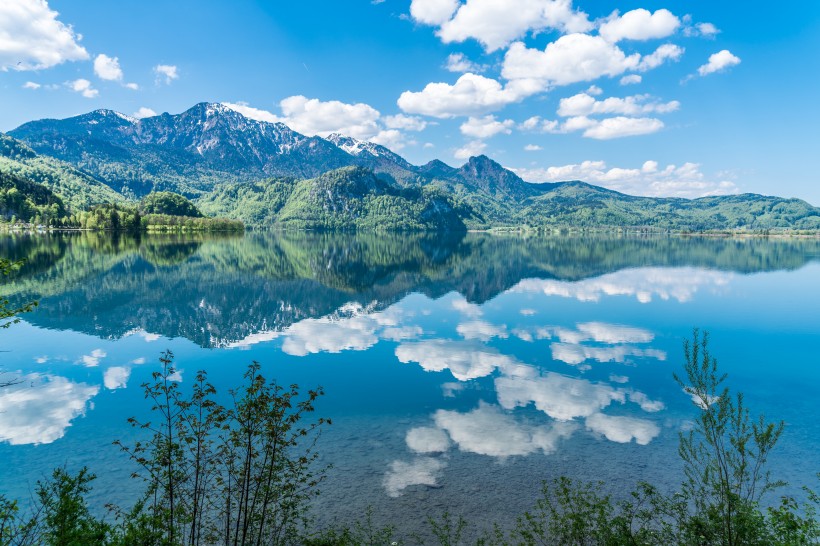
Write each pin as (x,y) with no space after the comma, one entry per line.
(422,471)
(480,329)
(719,61)
(31,37)
(253,113)
(315,117)
(495,23)
(108,68)
(618,378)
(427,440)
(487,430)
(471,94)
(666,52)
(473,148)
(532,148)
(707,29)
(433,12)
(631,79)
(671,181)
(560,397)
(466,360)
(620,126)
(639,24)
(623,429)
(131,86)
(643,284)
(166,73)
(486,127)
(458,62)
(407,123)
(116,377)
(144,112)
(83,87)
(594,90)
(583,104)
(94,358)
(38,410)
(535,123)
(569,59)
(31,85)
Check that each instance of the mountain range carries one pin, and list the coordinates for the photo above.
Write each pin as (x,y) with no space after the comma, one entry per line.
(268,174)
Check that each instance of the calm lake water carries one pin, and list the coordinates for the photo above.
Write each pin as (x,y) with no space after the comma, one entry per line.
(460,371)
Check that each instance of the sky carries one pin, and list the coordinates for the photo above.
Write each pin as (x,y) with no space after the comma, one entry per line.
(663,98)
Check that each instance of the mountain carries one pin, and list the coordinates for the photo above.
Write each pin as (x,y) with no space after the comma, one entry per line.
(343,199)
(266,173)
(76,188)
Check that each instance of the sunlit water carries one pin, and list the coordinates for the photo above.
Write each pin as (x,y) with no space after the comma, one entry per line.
(460,372)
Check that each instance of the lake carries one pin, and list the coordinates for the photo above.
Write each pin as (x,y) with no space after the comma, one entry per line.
(460,371)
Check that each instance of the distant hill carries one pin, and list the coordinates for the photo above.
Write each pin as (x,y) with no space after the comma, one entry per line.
(265,173)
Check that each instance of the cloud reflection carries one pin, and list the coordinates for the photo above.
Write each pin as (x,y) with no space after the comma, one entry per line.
(41,408)
(644,284)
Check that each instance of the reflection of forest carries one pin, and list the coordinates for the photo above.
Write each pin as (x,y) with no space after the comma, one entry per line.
(213,289)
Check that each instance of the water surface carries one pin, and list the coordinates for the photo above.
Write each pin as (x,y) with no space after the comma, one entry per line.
(460,371)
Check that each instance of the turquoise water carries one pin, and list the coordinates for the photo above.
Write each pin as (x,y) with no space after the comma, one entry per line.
(460,372)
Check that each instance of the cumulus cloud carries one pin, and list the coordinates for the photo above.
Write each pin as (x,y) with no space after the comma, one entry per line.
(41,408)
(31,85)
(471,94)
(650,179)
(473,148)
(315,117)
(116,377)
(83,87)
(631,79)
(532,148)
(407,123)
(718,62)
(569,59)
(560,397)
(458,62)
(621,126)
(108,68)
(664,53)
(639,24)
(466,360)
(253,113)
(166,73)
(486,127)
(487,430)
(31,37)
(427,440)
(144,112)
(623,429)
(495,23)
(583,104)
(643,284)
(322,118)
(433,12)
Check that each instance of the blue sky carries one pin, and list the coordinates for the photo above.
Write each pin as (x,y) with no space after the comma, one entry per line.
(646,97)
